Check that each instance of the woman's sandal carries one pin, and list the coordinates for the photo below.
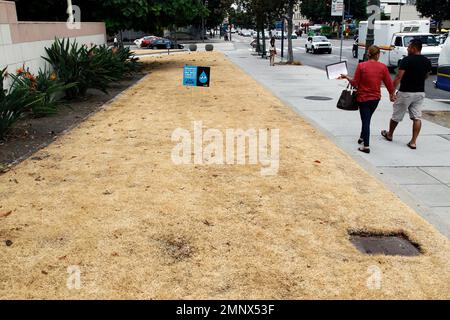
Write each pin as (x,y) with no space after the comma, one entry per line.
(365,150)
(384,133)
(411,147)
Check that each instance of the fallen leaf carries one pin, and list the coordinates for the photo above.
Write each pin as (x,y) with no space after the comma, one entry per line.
(317,161)
(5,214)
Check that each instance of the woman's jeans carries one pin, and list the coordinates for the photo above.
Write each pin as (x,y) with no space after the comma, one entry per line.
(366,110)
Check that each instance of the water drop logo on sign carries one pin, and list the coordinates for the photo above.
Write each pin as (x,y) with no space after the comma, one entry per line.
(196,76)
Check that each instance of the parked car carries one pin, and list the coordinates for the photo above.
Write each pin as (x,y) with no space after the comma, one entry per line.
(279,35)
(138,42)
(164,44)
(147,41)
(246,33)
(318,44)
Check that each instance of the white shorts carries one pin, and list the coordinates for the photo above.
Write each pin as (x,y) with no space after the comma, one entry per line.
(408,101)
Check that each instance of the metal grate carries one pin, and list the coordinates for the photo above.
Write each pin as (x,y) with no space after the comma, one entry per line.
(390,245)
(318,98)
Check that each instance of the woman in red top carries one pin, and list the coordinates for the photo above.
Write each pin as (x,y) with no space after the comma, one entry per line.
(368,78)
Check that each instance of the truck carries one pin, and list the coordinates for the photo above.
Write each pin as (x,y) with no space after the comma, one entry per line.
(394,37)
(443,73)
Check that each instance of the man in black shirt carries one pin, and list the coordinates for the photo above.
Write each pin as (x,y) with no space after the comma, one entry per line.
(413,72)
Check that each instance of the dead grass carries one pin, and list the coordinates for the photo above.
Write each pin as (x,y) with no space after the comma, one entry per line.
(110,201)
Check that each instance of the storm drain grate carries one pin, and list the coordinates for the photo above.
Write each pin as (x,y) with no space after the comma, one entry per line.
(318,98)
(390,245)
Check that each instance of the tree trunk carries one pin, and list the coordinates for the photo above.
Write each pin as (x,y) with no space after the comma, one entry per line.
(290,21)
(258,41)
(264,42)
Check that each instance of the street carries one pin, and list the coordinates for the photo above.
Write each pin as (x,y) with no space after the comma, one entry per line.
(322,60)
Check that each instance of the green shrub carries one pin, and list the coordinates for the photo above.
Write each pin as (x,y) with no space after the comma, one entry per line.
(14,103)
(71,65)
(46,88)
(52,89)
(91,68)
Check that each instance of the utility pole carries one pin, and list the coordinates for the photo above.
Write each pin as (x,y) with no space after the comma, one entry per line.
(400,10)
(342,33)
(373,10)
(282,39)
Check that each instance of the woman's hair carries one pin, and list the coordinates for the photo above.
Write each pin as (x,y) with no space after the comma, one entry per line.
(272,40)
(373,52)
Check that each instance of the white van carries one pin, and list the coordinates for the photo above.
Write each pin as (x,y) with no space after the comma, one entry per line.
(443,78)
(393,38)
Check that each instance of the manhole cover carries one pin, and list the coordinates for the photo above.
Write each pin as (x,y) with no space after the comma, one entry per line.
(390,245)
(317,98)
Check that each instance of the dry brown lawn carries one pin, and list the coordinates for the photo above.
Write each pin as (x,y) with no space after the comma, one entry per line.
(107,198)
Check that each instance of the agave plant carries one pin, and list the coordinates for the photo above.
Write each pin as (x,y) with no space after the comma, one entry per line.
(95,67)
(71,65)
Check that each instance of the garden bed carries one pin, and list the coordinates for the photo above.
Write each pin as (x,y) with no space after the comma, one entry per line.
(31,134)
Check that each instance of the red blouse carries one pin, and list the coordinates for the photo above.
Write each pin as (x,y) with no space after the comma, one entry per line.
(368,78)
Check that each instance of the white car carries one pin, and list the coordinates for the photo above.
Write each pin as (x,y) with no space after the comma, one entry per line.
(246,33)
(318,44)
(138,42)
(279,35)
(266,35)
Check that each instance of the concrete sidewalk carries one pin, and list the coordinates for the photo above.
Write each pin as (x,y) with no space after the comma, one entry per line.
(420,178)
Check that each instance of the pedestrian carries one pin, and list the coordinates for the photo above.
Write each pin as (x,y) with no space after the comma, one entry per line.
(116,42)
(412,73)
(273,51)
(368,78)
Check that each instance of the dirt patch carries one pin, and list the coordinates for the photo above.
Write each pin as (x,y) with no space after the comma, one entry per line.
(31,134)
(441,118)
(106,199)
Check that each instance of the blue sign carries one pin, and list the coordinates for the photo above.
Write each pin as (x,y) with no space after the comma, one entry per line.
(279,25)
(190,76)
(196,76)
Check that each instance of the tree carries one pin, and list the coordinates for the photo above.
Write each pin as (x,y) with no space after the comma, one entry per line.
(290,20)
(438,10)
(145,15)
(319,11)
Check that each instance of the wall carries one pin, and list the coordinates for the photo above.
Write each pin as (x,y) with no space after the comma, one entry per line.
(23,43)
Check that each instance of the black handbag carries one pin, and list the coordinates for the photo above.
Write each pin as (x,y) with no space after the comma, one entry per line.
(347,101)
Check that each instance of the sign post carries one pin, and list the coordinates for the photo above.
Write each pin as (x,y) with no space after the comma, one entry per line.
(282,40)
(338,10)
